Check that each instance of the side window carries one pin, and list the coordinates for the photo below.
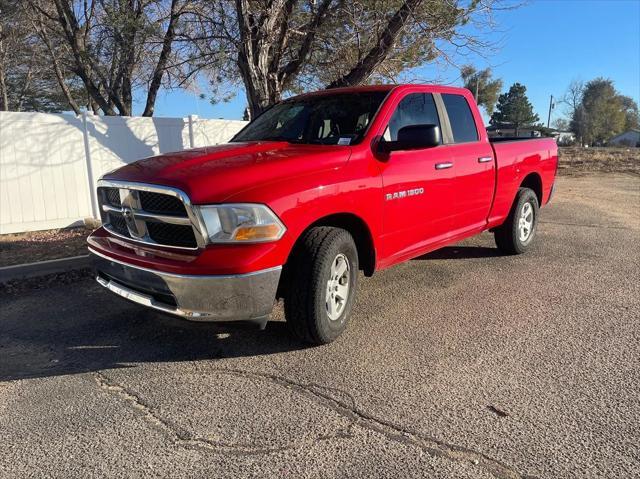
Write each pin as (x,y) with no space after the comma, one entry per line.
(414,109)
(463,125)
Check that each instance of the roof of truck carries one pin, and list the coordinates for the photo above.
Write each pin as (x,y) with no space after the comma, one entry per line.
(382,88)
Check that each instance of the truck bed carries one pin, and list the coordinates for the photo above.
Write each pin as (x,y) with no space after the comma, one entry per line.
(504,139)
(516,159)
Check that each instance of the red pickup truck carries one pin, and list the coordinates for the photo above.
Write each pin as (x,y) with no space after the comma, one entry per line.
(317,188)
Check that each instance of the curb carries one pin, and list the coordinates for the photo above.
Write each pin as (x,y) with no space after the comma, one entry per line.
(41,268)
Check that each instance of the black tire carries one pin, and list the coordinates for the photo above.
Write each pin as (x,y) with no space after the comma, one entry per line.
(308,272)
(507,235)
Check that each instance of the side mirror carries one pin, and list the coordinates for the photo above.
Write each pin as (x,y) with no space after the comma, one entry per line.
(414,137)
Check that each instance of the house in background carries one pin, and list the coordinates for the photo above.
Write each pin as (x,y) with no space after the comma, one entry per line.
(563,137)
(628,138)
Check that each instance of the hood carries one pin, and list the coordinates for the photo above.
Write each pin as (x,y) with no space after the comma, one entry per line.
(212,174)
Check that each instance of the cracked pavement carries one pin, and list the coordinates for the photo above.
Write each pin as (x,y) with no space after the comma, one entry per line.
(459,364)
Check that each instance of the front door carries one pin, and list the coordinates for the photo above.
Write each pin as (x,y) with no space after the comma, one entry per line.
(417,186)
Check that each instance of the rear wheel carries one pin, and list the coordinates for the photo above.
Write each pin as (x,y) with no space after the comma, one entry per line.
(322,277)
(516,235)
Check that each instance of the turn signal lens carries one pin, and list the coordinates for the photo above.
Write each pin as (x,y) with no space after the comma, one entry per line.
(257,233)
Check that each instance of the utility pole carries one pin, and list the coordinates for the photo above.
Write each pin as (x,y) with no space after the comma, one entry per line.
(477,87)
(550,108)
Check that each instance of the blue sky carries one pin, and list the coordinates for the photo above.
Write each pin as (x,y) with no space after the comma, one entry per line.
(544,45)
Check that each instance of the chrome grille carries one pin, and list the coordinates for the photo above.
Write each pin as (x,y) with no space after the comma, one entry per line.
(177,235)
(163,204)
(149,214)
(113,196)
(117,223)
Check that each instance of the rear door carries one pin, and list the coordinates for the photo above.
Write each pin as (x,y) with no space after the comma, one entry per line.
(474,165)
(417,184)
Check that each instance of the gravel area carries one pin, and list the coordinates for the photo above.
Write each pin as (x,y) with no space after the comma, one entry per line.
(35,246)
(459,364)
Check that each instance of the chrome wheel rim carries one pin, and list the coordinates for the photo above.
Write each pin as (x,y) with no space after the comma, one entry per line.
(338,287)
(525,223)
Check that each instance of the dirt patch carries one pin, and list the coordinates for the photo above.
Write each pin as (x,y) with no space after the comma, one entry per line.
(575,161)
(35,246)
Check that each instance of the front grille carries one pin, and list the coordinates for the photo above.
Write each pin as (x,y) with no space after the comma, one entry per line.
(171,227)
(177,235)
(117,222)
(161,204)
(113,196)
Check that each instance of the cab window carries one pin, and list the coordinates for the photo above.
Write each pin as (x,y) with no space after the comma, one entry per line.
(414,109)
(463,125)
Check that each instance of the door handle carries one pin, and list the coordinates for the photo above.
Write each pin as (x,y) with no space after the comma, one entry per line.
(443,166)
(485,159)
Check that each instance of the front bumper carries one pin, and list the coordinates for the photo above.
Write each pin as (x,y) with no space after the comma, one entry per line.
(194,297)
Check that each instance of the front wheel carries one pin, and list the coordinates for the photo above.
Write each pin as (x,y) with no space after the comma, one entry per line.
(516,235)
(322,277)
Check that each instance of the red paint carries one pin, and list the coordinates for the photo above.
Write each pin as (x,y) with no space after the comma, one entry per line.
(305,183)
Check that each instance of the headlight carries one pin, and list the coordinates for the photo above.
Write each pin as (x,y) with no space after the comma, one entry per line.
(233,223)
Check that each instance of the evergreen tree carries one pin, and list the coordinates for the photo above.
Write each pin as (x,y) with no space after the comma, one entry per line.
(514,109)
(483,86)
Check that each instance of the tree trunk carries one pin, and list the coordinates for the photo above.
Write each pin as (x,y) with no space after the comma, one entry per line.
(262,87)
(56,68)
(260,51)
(261,84)
(26,84)
(83,66)
(4,96)
(158,72)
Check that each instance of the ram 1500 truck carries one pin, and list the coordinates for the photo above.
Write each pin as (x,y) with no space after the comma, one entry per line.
(314,190)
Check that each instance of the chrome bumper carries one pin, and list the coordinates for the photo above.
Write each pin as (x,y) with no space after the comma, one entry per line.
(197,298)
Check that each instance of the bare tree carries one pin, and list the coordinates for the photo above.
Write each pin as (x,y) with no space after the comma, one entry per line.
(115,47)
(121,49)
(27,82)
(572,98)
(279,46)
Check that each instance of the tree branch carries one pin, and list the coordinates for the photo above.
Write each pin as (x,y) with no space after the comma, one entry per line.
(40,29)
(158,72)
(367,65)
(293,67)
(69,23)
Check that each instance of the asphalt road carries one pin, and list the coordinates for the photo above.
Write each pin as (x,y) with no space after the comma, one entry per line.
(459,364)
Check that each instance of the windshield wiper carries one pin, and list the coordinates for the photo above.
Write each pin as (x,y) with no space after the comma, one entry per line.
(281,138)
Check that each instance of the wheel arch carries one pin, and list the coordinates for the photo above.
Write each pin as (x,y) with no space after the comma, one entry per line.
(533,181)
(359,230)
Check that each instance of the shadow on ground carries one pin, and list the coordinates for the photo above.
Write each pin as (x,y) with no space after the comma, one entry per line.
(79,328)
(462,252)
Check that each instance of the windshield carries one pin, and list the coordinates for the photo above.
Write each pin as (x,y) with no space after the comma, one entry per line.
(337,119)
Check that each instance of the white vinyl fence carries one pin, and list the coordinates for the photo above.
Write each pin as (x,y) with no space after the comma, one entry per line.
(49,164)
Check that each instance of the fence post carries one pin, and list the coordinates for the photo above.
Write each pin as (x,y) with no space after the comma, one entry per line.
(192,137)
(87,155)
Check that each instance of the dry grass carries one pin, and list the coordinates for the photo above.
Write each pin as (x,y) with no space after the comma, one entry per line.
(605,160)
